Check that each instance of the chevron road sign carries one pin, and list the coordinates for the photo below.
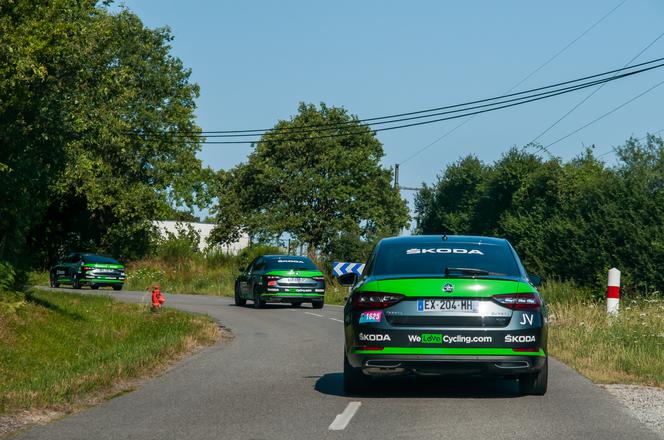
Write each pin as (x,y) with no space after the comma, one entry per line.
(341,268)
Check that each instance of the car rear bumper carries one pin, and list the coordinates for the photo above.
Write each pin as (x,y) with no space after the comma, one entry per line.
(100,281)
(293,297)
(442,365)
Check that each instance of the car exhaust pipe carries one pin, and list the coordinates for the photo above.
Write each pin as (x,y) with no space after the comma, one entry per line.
(509,365)
(383,367)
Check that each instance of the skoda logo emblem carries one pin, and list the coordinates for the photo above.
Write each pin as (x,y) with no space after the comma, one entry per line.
(448,287)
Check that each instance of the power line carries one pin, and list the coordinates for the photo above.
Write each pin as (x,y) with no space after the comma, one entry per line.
(527,77)
(256,132)
(520,102)
(607,113)
(430,115)
(494,106)
(587,97)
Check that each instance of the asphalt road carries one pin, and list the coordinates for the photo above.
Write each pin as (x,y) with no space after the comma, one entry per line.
(281,378)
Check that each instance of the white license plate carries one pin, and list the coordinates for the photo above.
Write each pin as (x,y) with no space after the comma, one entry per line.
(447,305)
(295,280)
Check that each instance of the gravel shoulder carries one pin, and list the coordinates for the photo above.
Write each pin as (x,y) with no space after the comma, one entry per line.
(645,403)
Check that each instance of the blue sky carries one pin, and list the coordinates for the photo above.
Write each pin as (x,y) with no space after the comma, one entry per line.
(255,61)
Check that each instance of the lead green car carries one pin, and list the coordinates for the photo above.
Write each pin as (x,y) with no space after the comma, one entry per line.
(445,305)
(86,269)
(280,278)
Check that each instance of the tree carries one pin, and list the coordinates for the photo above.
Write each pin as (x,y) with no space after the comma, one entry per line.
(318,186)
(97,119)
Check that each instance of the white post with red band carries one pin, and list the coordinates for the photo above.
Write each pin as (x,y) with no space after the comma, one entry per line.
(613,292)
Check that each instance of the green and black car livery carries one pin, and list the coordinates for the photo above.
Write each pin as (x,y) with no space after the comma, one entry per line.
(84,269)
(443,305)
(280,278)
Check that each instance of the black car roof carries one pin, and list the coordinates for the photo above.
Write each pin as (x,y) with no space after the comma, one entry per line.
(439,239)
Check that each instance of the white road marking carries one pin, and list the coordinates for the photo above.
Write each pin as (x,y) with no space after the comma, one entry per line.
(314,314)
(338,320)
(341,420)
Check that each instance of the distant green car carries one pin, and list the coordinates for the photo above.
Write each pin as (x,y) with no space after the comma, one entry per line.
(280,278)
(83,269)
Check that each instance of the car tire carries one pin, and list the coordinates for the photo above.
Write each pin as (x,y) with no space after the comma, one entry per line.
(355,381)
(76,284)
(295,304)
(258,302)
(317,304)
(535,384)
(94,286)
(239,301)
(117,287)
(53,283)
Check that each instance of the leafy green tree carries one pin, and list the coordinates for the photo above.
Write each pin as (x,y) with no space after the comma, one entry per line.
(318,186)
(571,220)
(449,206)
(97,119)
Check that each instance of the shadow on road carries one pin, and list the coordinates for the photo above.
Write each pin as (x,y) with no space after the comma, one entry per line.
(413,387)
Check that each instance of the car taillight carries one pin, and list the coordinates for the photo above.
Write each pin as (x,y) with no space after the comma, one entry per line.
(519,301)
(375,300)
(318,278)
(88,268)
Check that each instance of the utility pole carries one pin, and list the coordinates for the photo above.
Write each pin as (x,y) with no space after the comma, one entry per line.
(396,180)
(396,175)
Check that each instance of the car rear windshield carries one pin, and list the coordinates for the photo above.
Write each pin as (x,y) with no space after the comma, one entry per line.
(99,259)
(433,259)
(287,263)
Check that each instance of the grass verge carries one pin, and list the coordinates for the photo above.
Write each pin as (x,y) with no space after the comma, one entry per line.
(57,349)
(626,349)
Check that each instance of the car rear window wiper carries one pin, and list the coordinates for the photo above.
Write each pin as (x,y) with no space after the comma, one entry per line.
(469,271)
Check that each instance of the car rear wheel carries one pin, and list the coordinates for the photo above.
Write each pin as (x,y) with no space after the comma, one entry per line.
(117,287)
(94,287)
(317,304)
(354,380)
(239,301)
(76,284)
(535,384)
(52,281)
(258,302)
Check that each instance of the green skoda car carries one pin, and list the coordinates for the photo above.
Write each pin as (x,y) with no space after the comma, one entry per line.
(84,269)
(445,305)
(280,278)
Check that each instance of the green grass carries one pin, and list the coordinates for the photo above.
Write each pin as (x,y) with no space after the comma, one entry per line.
(626,349)
(57,349)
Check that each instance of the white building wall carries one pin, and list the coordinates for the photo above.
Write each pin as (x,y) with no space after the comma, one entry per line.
(204,230)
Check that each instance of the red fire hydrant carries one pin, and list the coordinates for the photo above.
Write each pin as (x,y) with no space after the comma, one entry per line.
(157,298)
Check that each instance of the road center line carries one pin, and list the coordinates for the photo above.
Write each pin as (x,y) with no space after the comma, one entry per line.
(338,320)
(314,314)
(341,420)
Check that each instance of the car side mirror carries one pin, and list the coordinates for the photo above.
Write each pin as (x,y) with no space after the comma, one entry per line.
(347,279)
(536,280)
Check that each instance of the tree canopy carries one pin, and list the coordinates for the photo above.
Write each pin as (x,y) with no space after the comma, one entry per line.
(96,127)
(323,187)
(572,220)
